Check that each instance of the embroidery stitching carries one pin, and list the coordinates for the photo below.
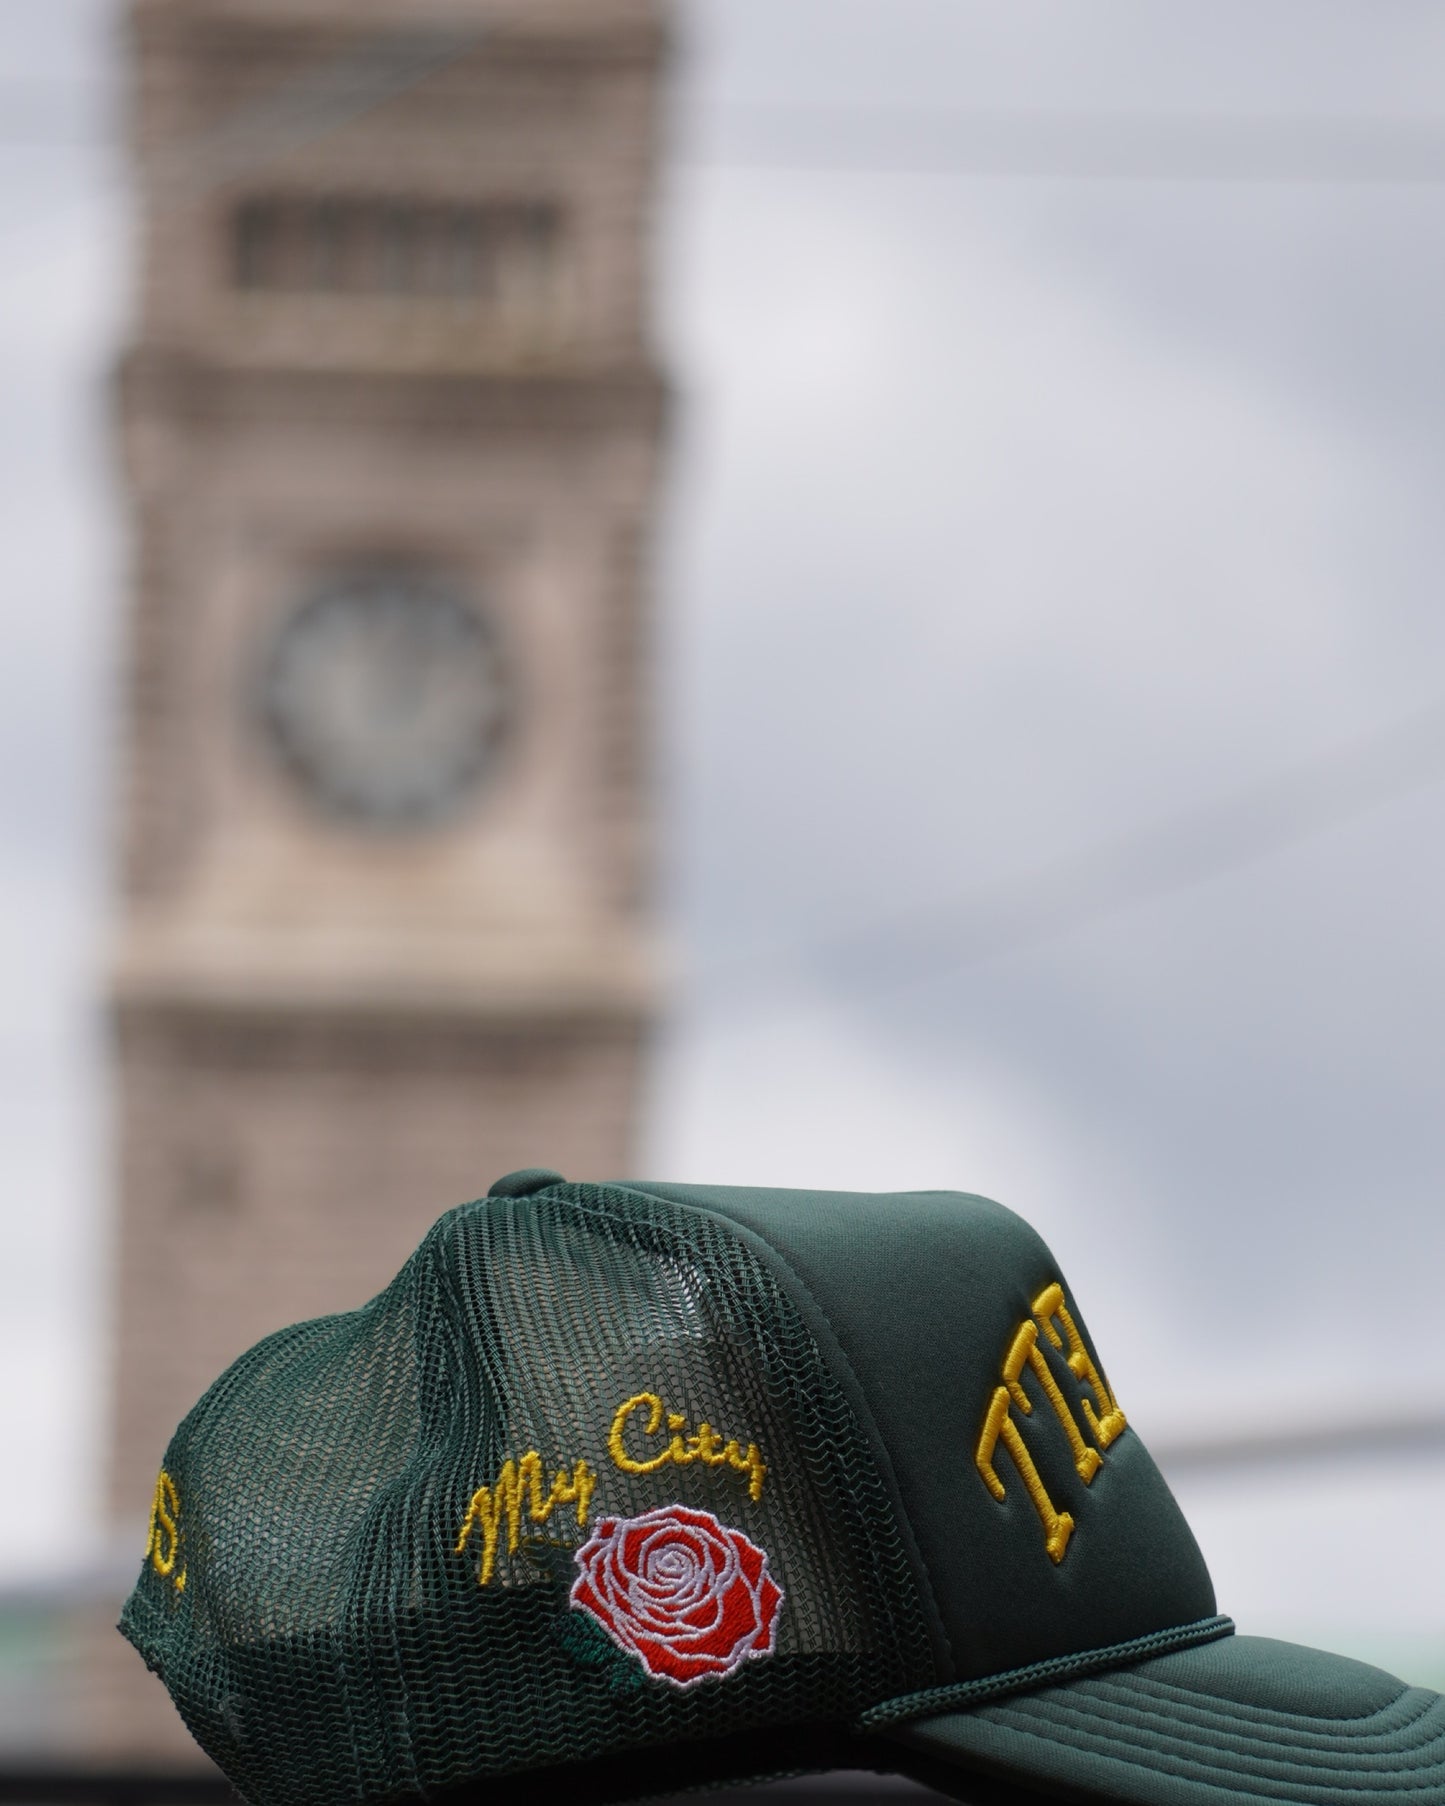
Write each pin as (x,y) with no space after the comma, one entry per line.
(1087,1461)
(704,1445)
(1050,1304)
(519,1483)
(163,1536)
(1102,1414)
(1000,1427)
(688,1597)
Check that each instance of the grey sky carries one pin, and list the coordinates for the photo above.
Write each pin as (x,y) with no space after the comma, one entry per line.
(1008,517)
(1016,516)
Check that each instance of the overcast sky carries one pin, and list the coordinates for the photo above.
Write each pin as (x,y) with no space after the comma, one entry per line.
(1046,559)
(1014,518)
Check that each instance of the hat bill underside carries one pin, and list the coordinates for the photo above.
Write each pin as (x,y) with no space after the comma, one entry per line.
(1241,1721)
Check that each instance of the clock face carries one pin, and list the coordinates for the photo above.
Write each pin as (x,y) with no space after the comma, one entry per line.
(383,694)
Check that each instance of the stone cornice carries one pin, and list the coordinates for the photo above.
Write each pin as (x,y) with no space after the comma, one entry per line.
(195,390)
(532,30)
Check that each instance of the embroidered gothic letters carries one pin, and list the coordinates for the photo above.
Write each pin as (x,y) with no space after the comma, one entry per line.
(1101,1412)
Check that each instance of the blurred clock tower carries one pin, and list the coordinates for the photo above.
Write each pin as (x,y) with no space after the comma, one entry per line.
(390,431)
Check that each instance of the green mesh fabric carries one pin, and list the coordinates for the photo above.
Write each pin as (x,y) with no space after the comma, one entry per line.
(330,1644)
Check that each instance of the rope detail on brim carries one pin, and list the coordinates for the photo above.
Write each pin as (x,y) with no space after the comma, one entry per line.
(961,1694)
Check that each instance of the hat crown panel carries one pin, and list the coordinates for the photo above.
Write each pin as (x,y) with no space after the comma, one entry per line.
(947,1308)
(383,1509)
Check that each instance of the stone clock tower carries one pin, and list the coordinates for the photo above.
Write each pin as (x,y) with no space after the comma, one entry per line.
(390,430)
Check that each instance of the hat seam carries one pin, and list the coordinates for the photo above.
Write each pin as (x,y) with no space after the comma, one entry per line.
(1344,1755)
(1214,1764)
(958,1694)
(1365,1748)
(1189,1698)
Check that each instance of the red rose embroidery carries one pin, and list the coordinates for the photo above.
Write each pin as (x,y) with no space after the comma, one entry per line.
(680,1591)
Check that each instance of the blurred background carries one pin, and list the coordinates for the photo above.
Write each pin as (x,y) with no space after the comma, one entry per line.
(916,529)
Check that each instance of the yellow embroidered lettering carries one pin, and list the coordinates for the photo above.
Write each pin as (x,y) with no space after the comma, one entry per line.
(988,1441)
(999,1427)
(618,1449)
(750,1463)
(1101,1413)
(519,1485)
(1103,1416)
(705,1445)
(1026,1350)
(678,1449)
(163,1540)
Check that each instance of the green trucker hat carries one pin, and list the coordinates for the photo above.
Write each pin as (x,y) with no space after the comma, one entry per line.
(627,1490)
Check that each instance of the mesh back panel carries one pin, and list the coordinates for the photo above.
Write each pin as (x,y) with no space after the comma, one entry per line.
(329,1642)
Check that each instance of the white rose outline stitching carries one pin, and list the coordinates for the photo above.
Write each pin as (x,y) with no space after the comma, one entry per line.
(689,1597)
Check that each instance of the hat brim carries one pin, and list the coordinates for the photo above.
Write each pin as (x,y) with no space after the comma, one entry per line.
(1241,1720)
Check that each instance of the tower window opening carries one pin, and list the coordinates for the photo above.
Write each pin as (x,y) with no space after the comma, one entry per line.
(325,244)
(400,244)
(256,235)
(479,253)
